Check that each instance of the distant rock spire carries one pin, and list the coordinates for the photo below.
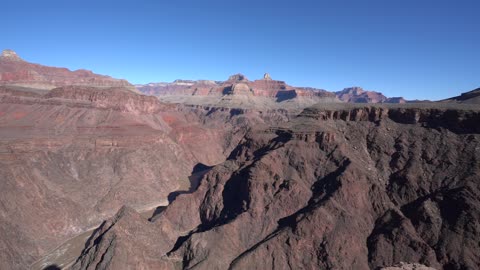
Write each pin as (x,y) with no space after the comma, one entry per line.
(266,76)
(10,55)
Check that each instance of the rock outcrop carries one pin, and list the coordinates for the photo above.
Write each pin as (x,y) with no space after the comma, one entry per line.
(237,78)
(358,95)
(9,55)
(122,237)
(471,97)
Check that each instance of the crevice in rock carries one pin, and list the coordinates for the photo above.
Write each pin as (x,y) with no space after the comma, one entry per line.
(106,256)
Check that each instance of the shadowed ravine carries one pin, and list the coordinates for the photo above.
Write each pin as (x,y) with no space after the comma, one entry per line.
(65,254)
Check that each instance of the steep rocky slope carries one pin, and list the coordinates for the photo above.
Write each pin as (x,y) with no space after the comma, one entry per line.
(471,97)
(72,157)
(67,164)
(336,188)
(16,71)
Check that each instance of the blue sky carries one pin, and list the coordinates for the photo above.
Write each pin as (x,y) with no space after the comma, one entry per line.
(421,49)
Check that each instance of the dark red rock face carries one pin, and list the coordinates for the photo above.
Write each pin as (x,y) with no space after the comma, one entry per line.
(345,189)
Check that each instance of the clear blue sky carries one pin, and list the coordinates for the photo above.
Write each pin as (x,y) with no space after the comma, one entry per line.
(414,48)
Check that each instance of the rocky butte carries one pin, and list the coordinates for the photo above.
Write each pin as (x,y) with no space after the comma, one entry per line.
(234,174)
(202,91)
(238,90)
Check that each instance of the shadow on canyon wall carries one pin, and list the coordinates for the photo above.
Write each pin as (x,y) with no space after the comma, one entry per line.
(195,179)
(52,267)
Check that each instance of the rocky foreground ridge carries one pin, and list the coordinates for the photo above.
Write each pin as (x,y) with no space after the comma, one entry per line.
(350,188)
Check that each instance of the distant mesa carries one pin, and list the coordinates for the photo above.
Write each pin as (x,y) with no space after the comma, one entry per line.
(359,95)
(237,89)
(238,84)
(15,71)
